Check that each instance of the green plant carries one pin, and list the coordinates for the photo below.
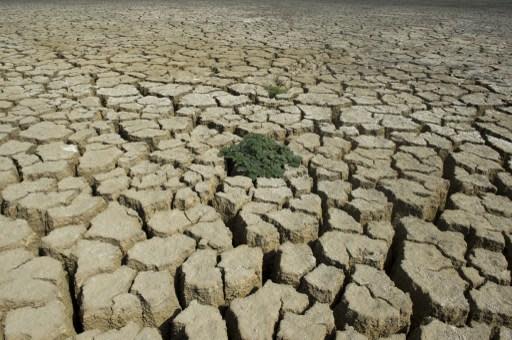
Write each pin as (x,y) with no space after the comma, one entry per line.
(274,90)
(258,156)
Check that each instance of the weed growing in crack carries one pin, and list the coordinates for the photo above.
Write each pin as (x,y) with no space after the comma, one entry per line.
(276,89)
(259,156)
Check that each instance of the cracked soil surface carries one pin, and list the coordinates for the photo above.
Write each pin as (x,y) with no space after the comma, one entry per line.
(118,217)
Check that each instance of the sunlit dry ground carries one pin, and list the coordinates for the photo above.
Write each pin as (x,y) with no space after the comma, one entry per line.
(118,217)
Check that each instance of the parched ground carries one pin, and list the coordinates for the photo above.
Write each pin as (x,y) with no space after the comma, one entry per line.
(119,220)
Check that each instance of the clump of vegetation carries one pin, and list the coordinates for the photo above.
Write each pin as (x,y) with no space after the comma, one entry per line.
(274,90)
(259,156)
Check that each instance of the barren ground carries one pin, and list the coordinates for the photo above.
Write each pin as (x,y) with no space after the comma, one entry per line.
(119,220)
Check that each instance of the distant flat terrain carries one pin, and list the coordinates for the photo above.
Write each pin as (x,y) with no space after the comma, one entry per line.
(120,218)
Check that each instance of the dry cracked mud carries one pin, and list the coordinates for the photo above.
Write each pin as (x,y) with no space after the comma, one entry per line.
(118,217)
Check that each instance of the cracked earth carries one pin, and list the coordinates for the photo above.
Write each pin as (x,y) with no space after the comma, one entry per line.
(118,217)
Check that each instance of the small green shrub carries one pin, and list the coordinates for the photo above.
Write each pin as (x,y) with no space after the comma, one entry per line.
(274,90)
(258,156)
